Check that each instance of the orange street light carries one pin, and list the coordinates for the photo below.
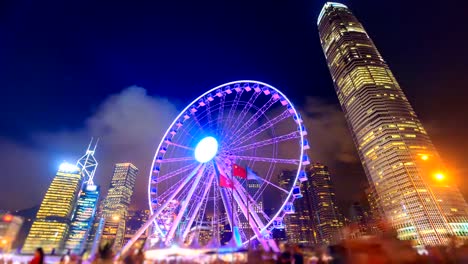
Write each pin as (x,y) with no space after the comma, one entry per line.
(115,218)
(424,157)
(439,176)
(4,241)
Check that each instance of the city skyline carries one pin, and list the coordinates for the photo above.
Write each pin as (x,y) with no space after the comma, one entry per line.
(154,90)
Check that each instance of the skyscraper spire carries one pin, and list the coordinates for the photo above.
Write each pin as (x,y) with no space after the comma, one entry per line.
(87,163)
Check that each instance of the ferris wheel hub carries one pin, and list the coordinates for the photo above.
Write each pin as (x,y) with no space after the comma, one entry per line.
(206,149)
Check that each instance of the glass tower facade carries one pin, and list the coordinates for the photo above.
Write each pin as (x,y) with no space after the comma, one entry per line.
(50,228)
(398,157)
(83,220)
(299,226)
(115,209)
(320,193)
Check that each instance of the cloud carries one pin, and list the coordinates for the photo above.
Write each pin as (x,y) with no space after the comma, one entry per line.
(328,133)
(129,125)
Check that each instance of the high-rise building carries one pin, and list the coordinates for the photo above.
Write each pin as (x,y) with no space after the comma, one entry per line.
(299,226)
(85,210)
(358,220)
(116,204)
(326,216)
(50,228)
(398,157)
(10,226)
(83,219)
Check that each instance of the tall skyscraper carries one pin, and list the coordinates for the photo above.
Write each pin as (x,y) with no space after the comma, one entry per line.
(116,204)
(83,219)
(320,192)
(85,210)
(299,226)
(399,159)
(52,223)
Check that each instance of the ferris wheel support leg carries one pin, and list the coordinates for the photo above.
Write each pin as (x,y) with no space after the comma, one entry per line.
(243,194)
(155,214)
(197,209)
(227,207)
(252,222)
(171,232)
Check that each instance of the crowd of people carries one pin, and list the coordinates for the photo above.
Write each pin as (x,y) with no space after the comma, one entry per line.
(384,248)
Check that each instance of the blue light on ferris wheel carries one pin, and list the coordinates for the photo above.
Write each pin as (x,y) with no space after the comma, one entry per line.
(206,149)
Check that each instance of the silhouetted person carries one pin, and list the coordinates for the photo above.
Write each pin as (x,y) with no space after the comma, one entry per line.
(106,255)
(298,256)
(38,257)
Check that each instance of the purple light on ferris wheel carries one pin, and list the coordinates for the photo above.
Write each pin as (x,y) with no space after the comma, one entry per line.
(242,125)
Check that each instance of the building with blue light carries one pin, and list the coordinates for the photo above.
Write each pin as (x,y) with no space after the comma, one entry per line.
(83,219)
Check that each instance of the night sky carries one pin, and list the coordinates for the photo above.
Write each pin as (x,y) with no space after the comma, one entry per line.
(66,68)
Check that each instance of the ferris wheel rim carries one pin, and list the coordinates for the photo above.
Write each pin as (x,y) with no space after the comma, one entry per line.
(296,115)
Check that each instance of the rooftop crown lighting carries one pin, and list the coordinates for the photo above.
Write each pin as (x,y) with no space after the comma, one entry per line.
(68,167)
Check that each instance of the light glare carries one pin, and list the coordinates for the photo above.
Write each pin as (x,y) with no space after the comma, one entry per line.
(206,149)
(67,167)
(439,176)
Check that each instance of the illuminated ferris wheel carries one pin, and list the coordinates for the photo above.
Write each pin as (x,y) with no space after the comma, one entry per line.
(218,166)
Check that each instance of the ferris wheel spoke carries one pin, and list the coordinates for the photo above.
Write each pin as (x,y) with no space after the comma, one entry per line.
(232,110)
(254,220)
(266,179)
(176,172)
(186,132)
(169,191)
(169,160)
(292,135)
(180,146)
(198,206)
(197,121)
(270,123)
(254,118)
(220,112)
(188,197)
(274,185)
(244,111)
(270,160)
(158,211)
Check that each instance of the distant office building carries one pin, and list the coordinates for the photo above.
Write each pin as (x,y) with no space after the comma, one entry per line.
(358,220)
(320,192)
(252,187)
(135,219)
(83,220)
(399,159)
(376,216)
(10,226)
(299,226)
(50,228)
(115,209)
